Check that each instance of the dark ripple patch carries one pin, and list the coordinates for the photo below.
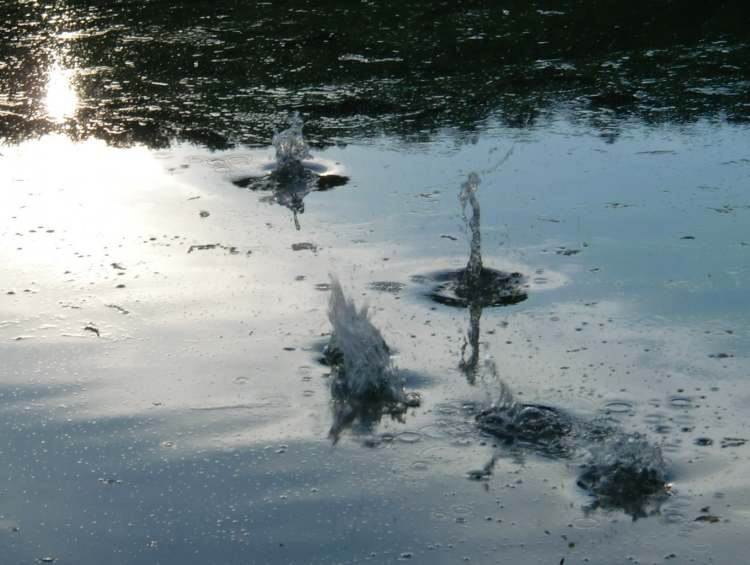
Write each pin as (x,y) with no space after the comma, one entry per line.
(313,182)
(387,286)
(621,470)
(292,180)
(543,427)
(493,288)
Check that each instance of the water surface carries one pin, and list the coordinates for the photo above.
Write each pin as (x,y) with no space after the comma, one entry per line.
(161,326)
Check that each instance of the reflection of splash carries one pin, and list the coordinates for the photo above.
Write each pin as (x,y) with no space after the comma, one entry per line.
(61,99)
(292,179)
(364,383)
(620,470)
(469,365)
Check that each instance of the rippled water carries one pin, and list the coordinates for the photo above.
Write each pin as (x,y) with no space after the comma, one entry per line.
(161,326)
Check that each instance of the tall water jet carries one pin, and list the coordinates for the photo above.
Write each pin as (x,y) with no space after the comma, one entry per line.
(474,267)
(475,287)
(365,385)
(292,177)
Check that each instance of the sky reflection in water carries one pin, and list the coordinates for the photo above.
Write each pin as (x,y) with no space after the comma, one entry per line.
(204,375)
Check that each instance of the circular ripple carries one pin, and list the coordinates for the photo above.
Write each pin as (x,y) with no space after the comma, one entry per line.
(619,407)
(585,523)
(673,517)
(680,402)
(409,437)
(440,454)
(462,442)
(420,466)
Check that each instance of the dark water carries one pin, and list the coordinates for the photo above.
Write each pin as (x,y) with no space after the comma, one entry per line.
(161,325)
(226,72)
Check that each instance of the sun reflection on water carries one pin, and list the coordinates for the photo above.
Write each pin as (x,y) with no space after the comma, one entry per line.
(61,100)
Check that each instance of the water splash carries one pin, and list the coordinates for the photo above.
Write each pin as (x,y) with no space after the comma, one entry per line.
(364,382)
(624,471)
(473,269)
(545,428)
(365,360)
(620,470)
(291,147)
(476,284)
(476,287)
(292,179)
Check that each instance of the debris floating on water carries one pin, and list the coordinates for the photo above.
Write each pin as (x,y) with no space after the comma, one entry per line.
(92,329)
(206,246)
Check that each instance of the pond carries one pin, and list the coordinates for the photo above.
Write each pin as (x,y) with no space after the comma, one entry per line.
(544,207)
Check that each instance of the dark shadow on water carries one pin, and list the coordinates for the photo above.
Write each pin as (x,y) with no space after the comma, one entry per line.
(361,416)
(493,288)
(290,184)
